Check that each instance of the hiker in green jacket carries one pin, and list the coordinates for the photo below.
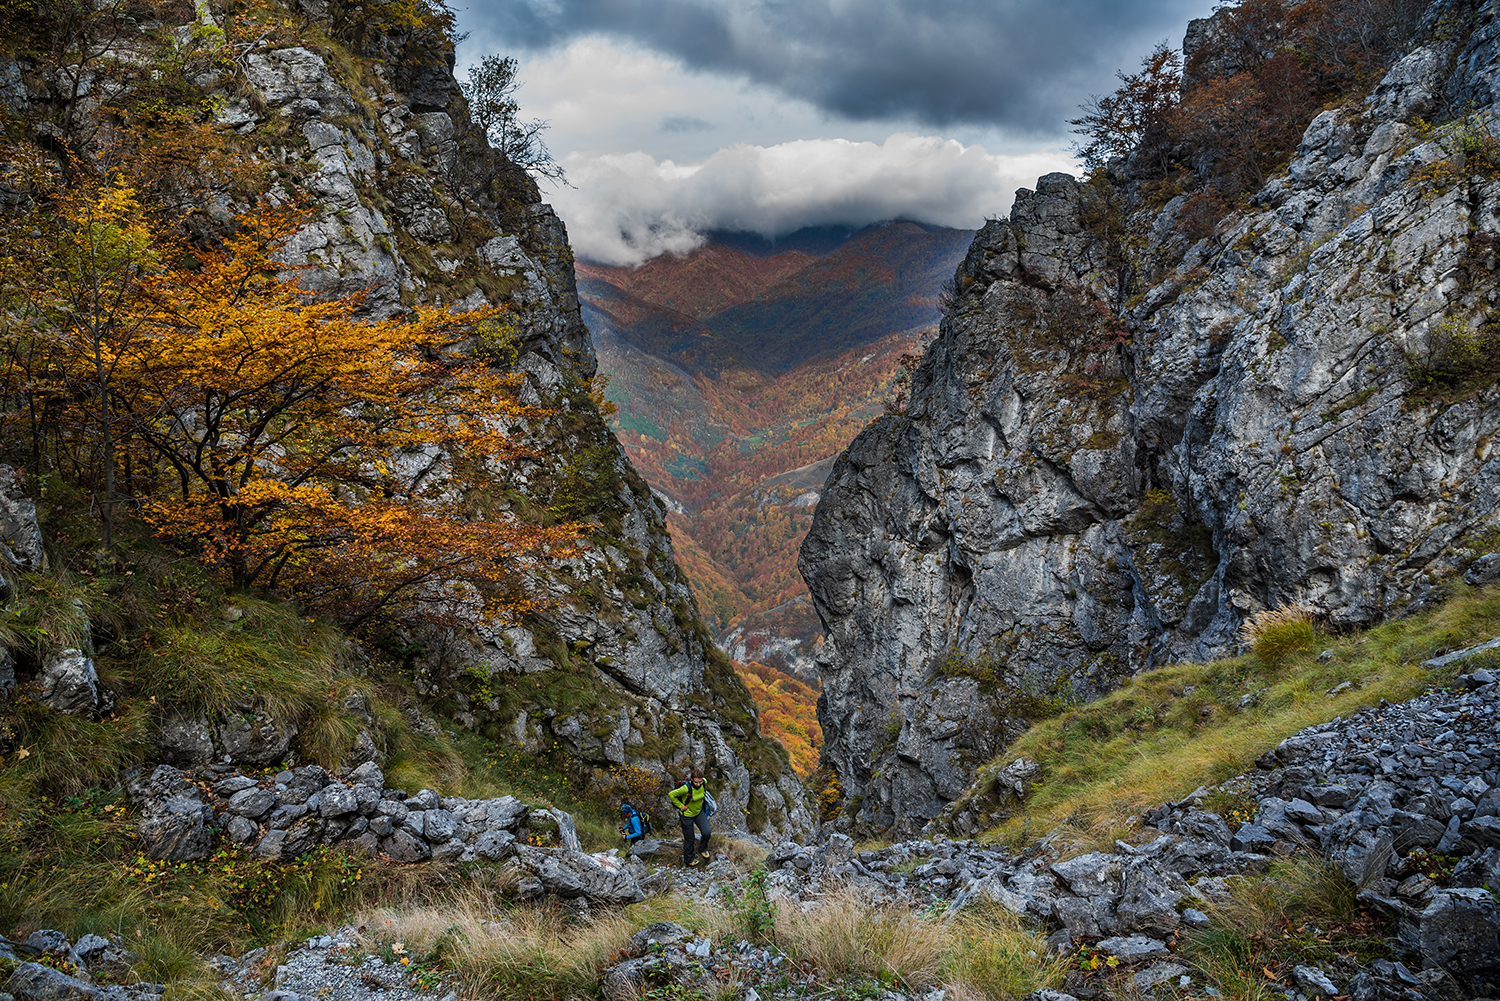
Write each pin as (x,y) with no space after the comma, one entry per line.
(691,798)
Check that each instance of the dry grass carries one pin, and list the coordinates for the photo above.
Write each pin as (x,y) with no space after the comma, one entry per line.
(1277,632)
(525,952)
(845,934)
(1301,908)
(980,953)
(745,854)
(1170,730)
(994,955)
(494,948)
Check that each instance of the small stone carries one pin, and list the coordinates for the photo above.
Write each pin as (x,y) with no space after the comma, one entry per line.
(403,847)
(1132,949)
(1314,981)
(337,801)
(233,784)
(253,802)
(241,830)
(368,774)
(270,846)
(1252,838)
(1157,974)
(1194,918)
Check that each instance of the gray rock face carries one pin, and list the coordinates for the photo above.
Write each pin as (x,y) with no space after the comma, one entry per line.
(409,204)
(1055,509)
(69,683)
(19,531)
(461,208)
(174,821)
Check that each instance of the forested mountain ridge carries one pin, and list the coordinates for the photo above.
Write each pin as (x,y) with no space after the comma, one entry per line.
(1152,412)
(203,129)
(735,428)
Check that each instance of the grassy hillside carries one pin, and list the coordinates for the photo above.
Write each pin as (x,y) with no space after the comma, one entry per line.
(1175,728)
(169,642)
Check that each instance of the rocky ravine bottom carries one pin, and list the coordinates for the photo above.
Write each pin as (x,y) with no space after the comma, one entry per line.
(1382,796)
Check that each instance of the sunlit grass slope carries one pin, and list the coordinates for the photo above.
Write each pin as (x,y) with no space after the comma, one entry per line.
(1173,729)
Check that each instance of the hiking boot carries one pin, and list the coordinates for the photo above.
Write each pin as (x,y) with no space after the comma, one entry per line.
(692,862)
(704,856)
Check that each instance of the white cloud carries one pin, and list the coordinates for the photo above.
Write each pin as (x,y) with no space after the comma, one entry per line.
(629,207)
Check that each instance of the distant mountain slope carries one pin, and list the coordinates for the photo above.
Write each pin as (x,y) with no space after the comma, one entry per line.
(719,311)
(740,371)
(704,282)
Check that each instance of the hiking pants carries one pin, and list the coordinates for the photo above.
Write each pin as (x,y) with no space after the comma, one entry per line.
(689,834)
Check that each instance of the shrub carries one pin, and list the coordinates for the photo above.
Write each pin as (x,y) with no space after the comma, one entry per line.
(1458,363)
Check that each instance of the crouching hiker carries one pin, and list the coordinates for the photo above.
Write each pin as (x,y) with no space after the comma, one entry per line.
(636,825)
(694,806)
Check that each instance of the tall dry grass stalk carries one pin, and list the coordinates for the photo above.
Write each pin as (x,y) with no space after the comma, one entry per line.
(516,953)
(1277,632)
(978,954)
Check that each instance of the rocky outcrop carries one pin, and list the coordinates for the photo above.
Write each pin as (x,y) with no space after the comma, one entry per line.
(1386,796)
(47,967)
(281,816)
(1087,483)
(412,204)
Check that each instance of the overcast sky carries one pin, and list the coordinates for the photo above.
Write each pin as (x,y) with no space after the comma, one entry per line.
(676,116)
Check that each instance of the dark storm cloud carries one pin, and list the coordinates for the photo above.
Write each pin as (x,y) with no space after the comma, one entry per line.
(1023,65)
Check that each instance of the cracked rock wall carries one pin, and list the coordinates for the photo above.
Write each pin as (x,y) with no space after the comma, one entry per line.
(1060,506)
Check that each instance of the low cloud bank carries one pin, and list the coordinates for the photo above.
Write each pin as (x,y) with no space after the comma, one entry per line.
(626,208)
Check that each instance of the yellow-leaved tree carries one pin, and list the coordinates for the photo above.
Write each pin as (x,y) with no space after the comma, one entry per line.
(297,445)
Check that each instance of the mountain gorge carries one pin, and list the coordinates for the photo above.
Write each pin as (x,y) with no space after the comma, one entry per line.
(1137,431)
(739,371)
(1150,541)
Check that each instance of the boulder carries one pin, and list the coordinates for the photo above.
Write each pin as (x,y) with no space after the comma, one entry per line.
(1092,875)
(631,979)
(1132,949)
(35,982)
(185,741)
(567,874)
(173,824)
(368,775)
(1459,932)
(69,683)
(253,738)
(19,531)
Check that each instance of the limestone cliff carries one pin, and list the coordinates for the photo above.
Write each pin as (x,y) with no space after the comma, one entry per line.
(366,120)
(1086,483)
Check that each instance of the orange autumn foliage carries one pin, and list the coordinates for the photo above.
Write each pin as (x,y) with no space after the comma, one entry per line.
(295,444)
(788,713)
